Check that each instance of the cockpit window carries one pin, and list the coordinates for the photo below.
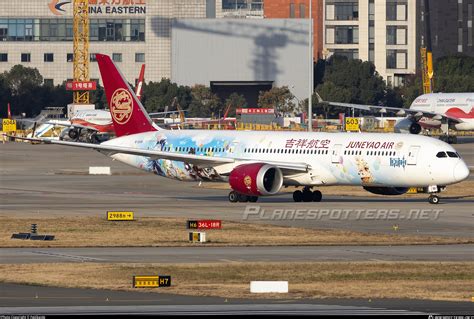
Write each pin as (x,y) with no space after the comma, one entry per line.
(452,154)
(441,154)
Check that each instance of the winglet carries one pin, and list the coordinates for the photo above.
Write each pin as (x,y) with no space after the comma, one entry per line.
(320,99)
(128,114)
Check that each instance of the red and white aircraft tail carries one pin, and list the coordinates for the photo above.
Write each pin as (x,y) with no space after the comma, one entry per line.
(128,114)
(139,86)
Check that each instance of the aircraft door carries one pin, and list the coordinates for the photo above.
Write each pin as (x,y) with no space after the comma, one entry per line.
(413,155)
(336,153)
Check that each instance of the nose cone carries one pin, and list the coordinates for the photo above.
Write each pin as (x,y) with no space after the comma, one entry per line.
(461,171)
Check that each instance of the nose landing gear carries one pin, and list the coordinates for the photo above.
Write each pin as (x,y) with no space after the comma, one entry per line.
(433,190)
(433,199)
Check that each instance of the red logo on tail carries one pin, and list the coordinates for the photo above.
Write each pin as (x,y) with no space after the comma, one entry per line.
(121,106)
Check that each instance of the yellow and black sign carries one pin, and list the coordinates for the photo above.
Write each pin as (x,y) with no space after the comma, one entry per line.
(416,190)
(151,281)
(197,237)
(352,124)
(119,216)
(8,125)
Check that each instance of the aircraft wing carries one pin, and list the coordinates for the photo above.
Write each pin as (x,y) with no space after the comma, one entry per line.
(164,113)
(73,125)
(64,124)
(201,160)
(400,111)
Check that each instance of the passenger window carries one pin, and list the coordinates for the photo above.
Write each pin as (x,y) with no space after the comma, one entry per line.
(441,154)
(452,154)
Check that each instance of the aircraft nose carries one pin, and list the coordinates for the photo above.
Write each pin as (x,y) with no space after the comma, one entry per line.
(461,171)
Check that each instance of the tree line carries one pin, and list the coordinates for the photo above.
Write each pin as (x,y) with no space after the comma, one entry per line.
(336,79)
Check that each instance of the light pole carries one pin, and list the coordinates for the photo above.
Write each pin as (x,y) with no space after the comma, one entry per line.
(311,66)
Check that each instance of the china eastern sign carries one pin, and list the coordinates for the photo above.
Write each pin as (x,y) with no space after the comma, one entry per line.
(117,6)
(61,7)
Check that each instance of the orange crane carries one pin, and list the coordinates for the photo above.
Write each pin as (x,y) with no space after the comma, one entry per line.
(81,49)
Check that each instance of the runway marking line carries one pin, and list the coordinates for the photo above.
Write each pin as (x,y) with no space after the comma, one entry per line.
(74,257)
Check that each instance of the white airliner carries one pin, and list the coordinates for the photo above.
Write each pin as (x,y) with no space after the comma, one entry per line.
(429,111)
(261,163)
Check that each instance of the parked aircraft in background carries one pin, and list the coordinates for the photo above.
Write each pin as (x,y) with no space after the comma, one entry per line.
(455,110)
(94,126)
(261,163)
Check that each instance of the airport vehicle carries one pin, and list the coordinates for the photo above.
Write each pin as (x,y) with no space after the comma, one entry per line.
(261,163)
(455,110)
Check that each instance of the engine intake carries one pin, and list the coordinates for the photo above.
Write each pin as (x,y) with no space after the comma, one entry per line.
(387,190)
(408,125)
(256,179)
(73,134)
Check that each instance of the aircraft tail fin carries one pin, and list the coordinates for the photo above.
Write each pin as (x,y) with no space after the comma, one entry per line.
(128,114)
(139,87)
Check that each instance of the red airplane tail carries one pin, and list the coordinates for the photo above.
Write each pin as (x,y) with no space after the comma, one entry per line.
(128,114)
(139,87)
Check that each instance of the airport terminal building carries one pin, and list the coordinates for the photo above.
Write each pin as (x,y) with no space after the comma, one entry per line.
(255,48)
(39,33)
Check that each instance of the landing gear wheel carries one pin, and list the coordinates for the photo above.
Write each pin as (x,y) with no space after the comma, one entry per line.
(433,199)
(298,196)
(307,196)
(243,198)
(253,199)
(317,196)
(233,197)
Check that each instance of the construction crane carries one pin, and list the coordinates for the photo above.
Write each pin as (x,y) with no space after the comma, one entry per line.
(81,49)
(427,71)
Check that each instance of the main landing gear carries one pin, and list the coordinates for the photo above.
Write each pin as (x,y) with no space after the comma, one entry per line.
(235,197)
(307,195)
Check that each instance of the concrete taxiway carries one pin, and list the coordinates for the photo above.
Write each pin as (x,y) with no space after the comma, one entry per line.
(237,254)
(50,180)
(21,299)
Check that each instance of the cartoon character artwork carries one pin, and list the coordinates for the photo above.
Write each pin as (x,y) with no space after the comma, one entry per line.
(364,171)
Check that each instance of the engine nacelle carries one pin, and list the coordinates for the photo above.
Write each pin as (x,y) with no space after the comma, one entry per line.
(256,179)
(73,134)
(408,125)
(386,190)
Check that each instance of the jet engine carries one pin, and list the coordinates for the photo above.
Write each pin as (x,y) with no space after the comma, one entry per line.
(386,190)
(256,179)
(408,125)
(73,134)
